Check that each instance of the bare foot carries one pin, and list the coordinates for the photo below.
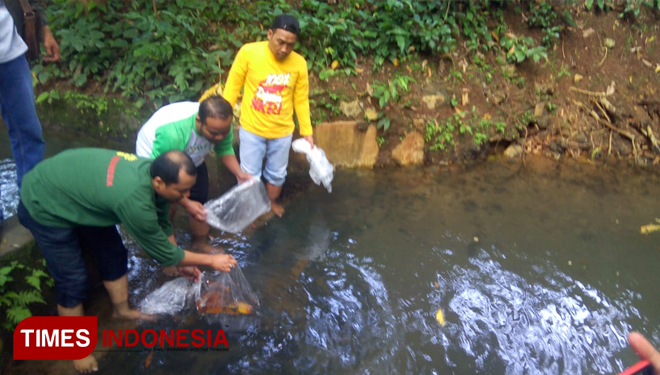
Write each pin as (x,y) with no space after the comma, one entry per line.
(206,248)
(277,209)
(170,271)
(86,365)
(130,314)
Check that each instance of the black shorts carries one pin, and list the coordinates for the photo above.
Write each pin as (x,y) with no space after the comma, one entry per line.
(200,191)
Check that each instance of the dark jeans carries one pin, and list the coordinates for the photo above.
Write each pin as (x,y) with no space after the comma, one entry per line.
(20,115)
(63,250)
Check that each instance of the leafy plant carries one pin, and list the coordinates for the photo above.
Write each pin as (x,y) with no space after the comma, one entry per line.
(386,92)
(15,303)
(520,49)
(440,136)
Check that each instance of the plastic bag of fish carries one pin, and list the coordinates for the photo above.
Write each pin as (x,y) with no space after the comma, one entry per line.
(214,294)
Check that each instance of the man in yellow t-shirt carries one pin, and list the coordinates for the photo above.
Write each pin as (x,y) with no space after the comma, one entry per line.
(275,82)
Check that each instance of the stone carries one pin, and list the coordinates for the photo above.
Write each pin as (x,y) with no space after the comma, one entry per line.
(411,150)
(345,145)
(432,100)
(351,109)
(513,151)
(543,123)
(371,114)
(538,109)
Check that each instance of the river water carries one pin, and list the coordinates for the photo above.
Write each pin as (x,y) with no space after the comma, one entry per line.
(538,269)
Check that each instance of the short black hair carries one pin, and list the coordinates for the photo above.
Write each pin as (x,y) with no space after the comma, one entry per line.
(215,106)
(286,22)
(167,166)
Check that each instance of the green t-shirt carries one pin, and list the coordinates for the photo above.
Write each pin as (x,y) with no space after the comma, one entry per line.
(98,187)
(173,128)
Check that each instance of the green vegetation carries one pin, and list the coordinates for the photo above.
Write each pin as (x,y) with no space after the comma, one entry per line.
(16,303)
(440,135)
(173,52)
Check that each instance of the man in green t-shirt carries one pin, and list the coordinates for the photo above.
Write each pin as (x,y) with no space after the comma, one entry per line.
(196,129)
(76,198)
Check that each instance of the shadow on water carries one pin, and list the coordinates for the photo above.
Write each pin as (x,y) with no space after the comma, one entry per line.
(540,270)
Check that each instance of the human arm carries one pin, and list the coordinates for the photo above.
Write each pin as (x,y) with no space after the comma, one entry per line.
(151,228)
(301,105)
(645,349)
(190,272)
(45,35)
(194,208)
(52,48)
(225,151)
(234,167)
(219,262)
(236,77)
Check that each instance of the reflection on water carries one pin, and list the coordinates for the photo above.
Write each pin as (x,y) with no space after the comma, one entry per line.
(538,271)
(558,326)
(8,188)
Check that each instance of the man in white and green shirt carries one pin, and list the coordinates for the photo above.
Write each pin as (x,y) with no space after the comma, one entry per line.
(196,129)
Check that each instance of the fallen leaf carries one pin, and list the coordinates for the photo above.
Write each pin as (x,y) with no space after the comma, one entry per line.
(359,70)
(436,284)
(486,116)
(396,61)
(334,64)
(649,228)
(657,68)
(495,36)
(512,49)
(440,317)
(147,362)
(610,88)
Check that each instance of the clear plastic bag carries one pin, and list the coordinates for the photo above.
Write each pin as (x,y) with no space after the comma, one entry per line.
(320,169)
(238,207)
(171,298)
(226,293)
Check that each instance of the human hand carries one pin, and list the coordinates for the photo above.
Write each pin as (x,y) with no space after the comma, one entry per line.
(243,176)
(645,350)
(189,272)
(223,262)
(309,139)
(52,48)
(195,209)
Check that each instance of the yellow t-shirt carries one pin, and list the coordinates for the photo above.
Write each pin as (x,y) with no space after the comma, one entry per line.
(273,90)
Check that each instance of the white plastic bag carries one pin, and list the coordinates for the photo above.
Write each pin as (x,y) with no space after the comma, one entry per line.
(238,207)
(171,298)
(320,169)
